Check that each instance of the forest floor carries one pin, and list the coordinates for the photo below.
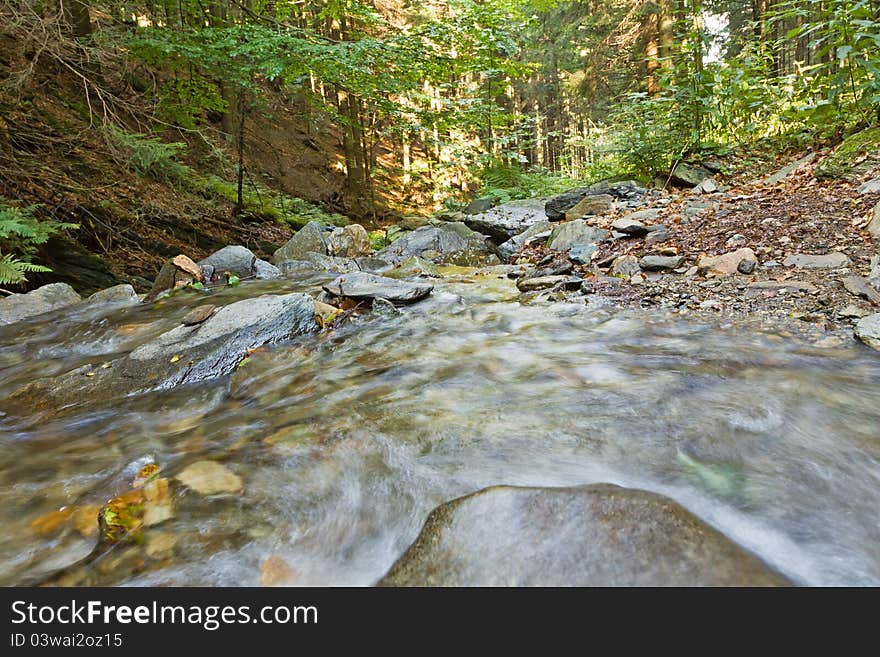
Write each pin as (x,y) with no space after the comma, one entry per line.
(777,219)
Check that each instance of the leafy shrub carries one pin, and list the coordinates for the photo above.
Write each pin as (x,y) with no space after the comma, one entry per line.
(148,156)
(21,234)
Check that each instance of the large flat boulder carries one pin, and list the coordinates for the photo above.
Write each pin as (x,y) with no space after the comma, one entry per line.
(450,243)
(573,233)
(188,353)
(54,296)
(597,535)
(508,220)
(365,286)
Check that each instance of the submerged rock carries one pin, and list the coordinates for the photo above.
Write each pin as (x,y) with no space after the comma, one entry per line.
(364,286)
(185,354)
(44,299)
(597,535)
(451,243)
(413,267)
(868,330)
(508,220)
(210,478)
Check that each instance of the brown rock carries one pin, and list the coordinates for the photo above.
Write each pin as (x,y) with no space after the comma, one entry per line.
(275,571)
(860,287)
(726,264)
(198,315)
(176,272)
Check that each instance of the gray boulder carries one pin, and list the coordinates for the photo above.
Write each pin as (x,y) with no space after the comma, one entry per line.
(311,238)
(451,243)
(118,294)
(688,175)
(834,260)
(572,233)
(627,191)
(364,286)
(414,267)
(536,232)
(351,241)
(660,263)
(597,535)
(185,354)
(868,330)
(508,220)
(44,299)
(320,262)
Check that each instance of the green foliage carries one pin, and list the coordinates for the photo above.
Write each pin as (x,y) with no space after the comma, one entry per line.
(148,156)
(503,181)
(21,234)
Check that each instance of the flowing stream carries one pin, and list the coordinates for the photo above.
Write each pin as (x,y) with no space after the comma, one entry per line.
(346,440)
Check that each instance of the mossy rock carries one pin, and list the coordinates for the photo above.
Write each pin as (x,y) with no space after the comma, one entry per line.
(857,154)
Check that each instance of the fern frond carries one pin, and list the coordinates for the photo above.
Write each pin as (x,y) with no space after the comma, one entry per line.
(13,270)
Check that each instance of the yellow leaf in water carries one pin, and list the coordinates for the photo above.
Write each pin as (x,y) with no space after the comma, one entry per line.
(90,374)
(175,358)
(275,571)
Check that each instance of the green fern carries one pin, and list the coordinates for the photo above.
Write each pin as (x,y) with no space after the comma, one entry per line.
(13,270)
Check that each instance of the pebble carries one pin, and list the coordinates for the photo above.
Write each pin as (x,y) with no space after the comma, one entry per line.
(210,478)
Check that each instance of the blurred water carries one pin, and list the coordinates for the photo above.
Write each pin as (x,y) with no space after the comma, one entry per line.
(346,441)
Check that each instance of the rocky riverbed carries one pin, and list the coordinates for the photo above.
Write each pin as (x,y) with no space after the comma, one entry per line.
(585,390)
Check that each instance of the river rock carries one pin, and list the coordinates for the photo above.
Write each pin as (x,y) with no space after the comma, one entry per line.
(451,243)
(629,226)
(583,253)
(545,282)
(209,478)
(350,241)
(508,220)
(178,271)
(590,205)
(118,294)
(47,298)
(265,270)
(311,238)
(182,355)
(870,187)
(479,205)
(571,233)
(648,214)
(414,267)
(625,266)
(237,260)
(727,263)
(834,260)
(868,330)
(361,285)
(771,288)
(660,263)
(320,262)
(596,535)
(384,308)
(626,192)
(198,315)
(862,287)
(874,223)
(688,175)
(537,232)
